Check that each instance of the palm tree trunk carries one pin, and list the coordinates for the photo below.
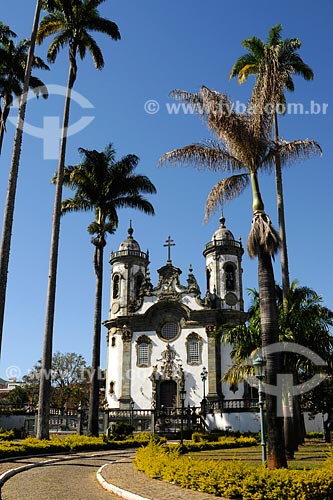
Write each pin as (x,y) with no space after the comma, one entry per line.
(4,115)
(93,430)
(2,128)
(291,423)
(269,328)
(45,382)
(281,218)
(13,175)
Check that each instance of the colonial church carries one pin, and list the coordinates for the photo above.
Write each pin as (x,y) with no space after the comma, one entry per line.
(163,339)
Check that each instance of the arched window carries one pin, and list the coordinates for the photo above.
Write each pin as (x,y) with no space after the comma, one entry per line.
(193,349)
(143,351)
(113,342)
(230,278)
(116,286)
(138,283)
(111,390)
(208,279)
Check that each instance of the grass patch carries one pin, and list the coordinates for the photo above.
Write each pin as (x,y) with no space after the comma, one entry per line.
(311,455)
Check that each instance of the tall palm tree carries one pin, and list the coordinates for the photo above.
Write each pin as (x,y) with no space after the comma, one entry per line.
(244,146)
(103,185)
(12,70)
(70,22)
(289,63)
(8,217)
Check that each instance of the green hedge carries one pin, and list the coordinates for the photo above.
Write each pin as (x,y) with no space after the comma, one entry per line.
(7,435)
(222,443)
(33,446)
(235,479)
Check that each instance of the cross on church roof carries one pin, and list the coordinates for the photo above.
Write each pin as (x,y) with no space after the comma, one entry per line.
(169,243)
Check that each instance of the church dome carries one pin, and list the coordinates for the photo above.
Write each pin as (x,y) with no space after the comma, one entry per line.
(222,233)
(130,243)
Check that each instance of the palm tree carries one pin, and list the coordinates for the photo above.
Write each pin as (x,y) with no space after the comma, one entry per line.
(8,217)
(103,185)
(12,71)
(244,146)
(70,22)
(289,63)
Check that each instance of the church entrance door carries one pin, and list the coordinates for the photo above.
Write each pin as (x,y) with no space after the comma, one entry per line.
(168,394)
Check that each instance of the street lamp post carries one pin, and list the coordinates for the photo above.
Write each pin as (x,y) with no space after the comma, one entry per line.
(203,375)
(132,412)
(182,394)
(259,370)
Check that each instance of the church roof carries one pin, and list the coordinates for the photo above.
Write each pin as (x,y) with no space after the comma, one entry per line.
(130,243)
(222,233)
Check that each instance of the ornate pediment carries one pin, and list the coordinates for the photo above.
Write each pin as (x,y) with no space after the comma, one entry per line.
(168,367)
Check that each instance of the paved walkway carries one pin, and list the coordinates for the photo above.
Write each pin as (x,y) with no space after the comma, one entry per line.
(124,475)
(73,477)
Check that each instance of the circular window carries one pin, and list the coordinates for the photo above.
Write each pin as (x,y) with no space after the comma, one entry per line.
(169,330)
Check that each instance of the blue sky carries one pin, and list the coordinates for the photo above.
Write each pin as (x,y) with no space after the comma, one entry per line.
(165,45)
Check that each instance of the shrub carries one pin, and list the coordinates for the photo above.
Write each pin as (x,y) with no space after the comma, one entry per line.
(121,431)
(235,479)
(7,435)
(223,442)
(72,443)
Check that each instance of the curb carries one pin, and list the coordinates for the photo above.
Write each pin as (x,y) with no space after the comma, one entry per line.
(127,495)
(12,472)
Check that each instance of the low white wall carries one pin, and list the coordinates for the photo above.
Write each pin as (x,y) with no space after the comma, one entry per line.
(12,422)
(243,422)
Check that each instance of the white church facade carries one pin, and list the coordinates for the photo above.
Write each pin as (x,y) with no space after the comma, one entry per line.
(164,349)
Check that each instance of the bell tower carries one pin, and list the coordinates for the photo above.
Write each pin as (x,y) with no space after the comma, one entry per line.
(129,270)
(224,270)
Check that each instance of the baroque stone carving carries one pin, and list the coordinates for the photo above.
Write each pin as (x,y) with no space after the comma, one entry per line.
(210,330)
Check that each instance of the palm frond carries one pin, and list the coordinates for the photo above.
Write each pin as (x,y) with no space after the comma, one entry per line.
(238,372)
(292,152)
(76,204)
(225,190)
(244,60)
(38,87)
(87,42)
(255,46)
(105,26)
(248,69)
(212,155)
(274,35)
(58,43)
(263,236)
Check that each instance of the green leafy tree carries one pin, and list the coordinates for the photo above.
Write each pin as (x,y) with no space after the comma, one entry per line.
(8,217)
(69,378)
(17,396)
(13,59)
(103,185)
(320,400)
(71,22)
(244,147)
(302,320)
(289,64)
